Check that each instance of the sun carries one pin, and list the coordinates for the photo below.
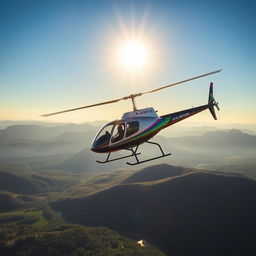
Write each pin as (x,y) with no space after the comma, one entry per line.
(133,55)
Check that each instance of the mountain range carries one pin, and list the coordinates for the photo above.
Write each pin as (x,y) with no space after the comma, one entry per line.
(66,147)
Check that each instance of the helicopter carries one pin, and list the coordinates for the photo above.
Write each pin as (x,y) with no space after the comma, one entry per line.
(140,125)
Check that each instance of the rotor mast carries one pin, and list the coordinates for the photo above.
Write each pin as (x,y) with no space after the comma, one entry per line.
(134,105)
(132,97)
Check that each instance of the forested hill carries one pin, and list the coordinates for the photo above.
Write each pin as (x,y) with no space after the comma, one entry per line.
(69,240)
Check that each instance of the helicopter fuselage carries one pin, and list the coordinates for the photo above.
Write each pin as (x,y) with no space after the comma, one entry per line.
(137,127)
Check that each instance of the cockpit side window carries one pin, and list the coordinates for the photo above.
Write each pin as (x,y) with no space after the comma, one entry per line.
(132,127)
(103,137)
(118,132)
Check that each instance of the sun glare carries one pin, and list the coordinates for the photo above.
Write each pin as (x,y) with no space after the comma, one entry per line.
(133,55)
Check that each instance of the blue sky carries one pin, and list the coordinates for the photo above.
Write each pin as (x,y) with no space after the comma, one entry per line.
(59,54)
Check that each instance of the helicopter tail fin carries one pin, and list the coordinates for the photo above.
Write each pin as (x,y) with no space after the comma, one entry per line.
(212,103)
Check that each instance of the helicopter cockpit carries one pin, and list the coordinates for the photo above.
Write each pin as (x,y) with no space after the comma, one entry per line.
(103,137)
(114,132)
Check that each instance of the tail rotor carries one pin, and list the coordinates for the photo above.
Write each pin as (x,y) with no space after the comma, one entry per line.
(212,102)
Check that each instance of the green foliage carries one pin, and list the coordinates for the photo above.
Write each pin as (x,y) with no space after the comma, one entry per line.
(73,240)
(32,184)
(38,217)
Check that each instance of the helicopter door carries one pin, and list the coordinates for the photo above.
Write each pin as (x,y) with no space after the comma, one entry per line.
(132,128)
(118,132)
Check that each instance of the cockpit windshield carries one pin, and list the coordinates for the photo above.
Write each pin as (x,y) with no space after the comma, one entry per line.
(103,137)
(115,132)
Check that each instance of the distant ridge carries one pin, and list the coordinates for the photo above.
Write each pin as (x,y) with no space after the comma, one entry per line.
(222,138)
(156,172)
(69,145)
(27,184)
(39,132)
(9,202)
(17,184)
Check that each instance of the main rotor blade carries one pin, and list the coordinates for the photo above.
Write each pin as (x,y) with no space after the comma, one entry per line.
(89,106)
(132,96)
(183,81)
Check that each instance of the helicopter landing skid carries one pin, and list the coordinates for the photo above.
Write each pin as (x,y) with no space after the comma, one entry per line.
(147,160)
(115,159)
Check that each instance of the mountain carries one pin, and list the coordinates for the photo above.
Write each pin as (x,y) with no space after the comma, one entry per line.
(9,202)
(180,131)
(214,148)
(29,184)
(218,140)
(82,161)
(155,172)
(85,161)
(197,213)
(69,145)
(17,184)
(39,132)
(22,141)
(16,168)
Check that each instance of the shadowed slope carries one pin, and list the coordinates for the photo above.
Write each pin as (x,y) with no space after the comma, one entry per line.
(156,172)
(28,184)
(17,184)
(8,202)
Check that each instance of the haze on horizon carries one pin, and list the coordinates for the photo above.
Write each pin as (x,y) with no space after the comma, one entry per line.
(59,55)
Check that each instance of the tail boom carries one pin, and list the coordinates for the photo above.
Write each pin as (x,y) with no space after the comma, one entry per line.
(179,116)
